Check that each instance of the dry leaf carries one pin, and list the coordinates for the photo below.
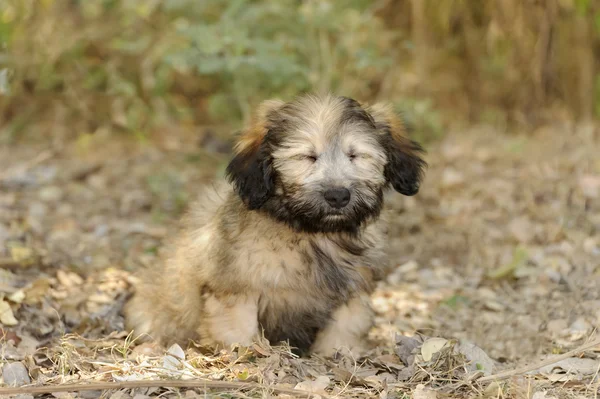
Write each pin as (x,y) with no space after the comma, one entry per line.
(421,392)
(405,346)
(431,346)
(7,317)
(572,365)
(172,360)
(17,296)
(317,386)
(478,359)
(37,290)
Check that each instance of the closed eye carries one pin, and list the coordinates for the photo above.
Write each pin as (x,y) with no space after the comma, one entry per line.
(305,157)
(354,155)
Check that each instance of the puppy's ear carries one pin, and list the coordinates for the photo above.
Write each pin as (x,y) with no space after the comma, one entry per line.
(405,167)
(250,170)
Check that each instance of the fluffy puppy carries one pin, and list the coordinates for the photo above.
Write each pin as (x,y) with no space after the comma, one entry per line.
(289,249)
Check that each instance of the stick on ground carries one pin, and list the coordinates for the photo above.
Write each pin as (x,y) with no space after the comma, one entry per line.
(509,373)
(101,386)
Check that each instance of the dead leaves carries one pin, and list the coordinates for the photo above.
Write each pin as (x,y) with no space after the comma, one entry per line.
(318,385)
(570,369)
(7,318)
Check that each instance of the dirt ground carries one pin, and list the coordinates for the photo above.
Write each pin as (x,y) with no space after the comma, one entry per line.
(500,249)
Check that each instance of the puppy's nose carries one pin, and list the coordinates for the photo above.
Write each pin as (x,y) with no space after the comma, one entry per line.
(337,197)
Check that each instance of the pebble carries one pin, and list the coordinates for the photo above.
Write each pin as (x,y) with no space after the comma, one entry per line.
(15,374)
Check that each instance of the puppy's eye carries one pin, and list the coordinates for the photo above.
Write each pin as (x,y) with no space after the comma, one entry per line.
(306,157)
(353,155)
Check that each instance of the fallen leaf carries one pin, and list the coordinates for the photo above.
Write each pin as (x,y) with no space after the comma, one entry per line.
(431,346)
(7,317)
(572,365)
(36,291)
(421,392)
(317,386)
(478,359)
(68,279)
(405,347)
(172,360)
(17,296)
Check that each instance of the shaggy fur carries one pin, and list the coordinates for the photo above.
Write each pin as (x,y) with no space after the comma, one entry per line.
(291,248)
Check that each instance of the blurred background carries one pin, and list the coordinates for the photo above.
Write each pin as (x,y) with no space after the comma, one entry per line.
(76,67)
(114,113)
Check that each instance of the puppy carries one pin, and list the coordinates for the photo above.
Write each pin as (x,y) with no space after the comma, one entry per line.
(292,247)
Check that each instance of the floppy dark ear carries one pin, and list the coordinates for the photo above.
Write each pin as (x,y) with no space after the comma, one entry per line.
(405,167)
(250,171)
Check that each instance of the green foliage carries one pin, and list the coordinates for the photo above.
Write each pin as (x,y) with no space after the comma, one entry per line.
(259,49)
(132,66)
(74,67)
(422,118)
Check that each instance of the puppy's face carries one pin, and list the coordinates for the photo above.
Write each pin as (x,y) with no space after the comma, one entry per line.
(321,164)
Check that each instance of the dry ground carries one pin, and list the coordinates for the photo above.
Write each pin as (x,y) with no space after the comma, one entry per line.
(501,249)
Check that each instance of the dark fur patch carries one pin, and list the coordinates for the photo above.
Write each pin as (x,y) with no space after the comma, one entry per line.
(405,168)
(329,276)
(251,173)
(307,217)
(353,247)
(298,329)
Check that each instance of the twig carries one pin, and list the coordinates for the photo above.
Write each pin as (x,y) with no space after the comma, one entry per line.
(101,386)
(507,374)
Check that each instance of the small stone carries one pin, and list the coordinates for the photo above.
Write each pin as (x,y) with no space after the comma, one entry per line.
(15,374)
(51,194)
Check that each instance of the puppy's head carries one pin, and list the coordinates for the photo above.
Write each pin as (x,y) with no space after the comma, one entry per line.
(321,164)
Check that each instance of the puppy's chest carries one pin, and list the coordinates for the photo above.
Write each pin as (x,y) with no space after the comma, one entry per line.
(319,267)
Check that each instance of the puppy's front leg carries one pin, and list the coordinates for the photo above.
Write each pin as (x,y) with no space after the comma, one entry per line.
(229,320)
(349,325)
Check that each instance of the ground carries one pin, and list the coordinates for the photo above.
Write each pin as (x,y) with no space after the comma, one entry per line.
(500,249)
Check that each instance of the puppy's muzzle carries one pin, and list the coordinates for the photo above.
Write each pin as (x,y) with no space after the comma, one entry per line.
(337,197)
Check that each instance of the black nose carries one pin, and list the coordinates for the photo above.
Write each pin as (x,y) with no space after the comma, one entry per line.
(337,197)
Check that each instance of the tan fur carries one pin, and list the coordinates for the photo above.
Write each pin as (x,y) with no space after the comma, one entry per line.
(237,271)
